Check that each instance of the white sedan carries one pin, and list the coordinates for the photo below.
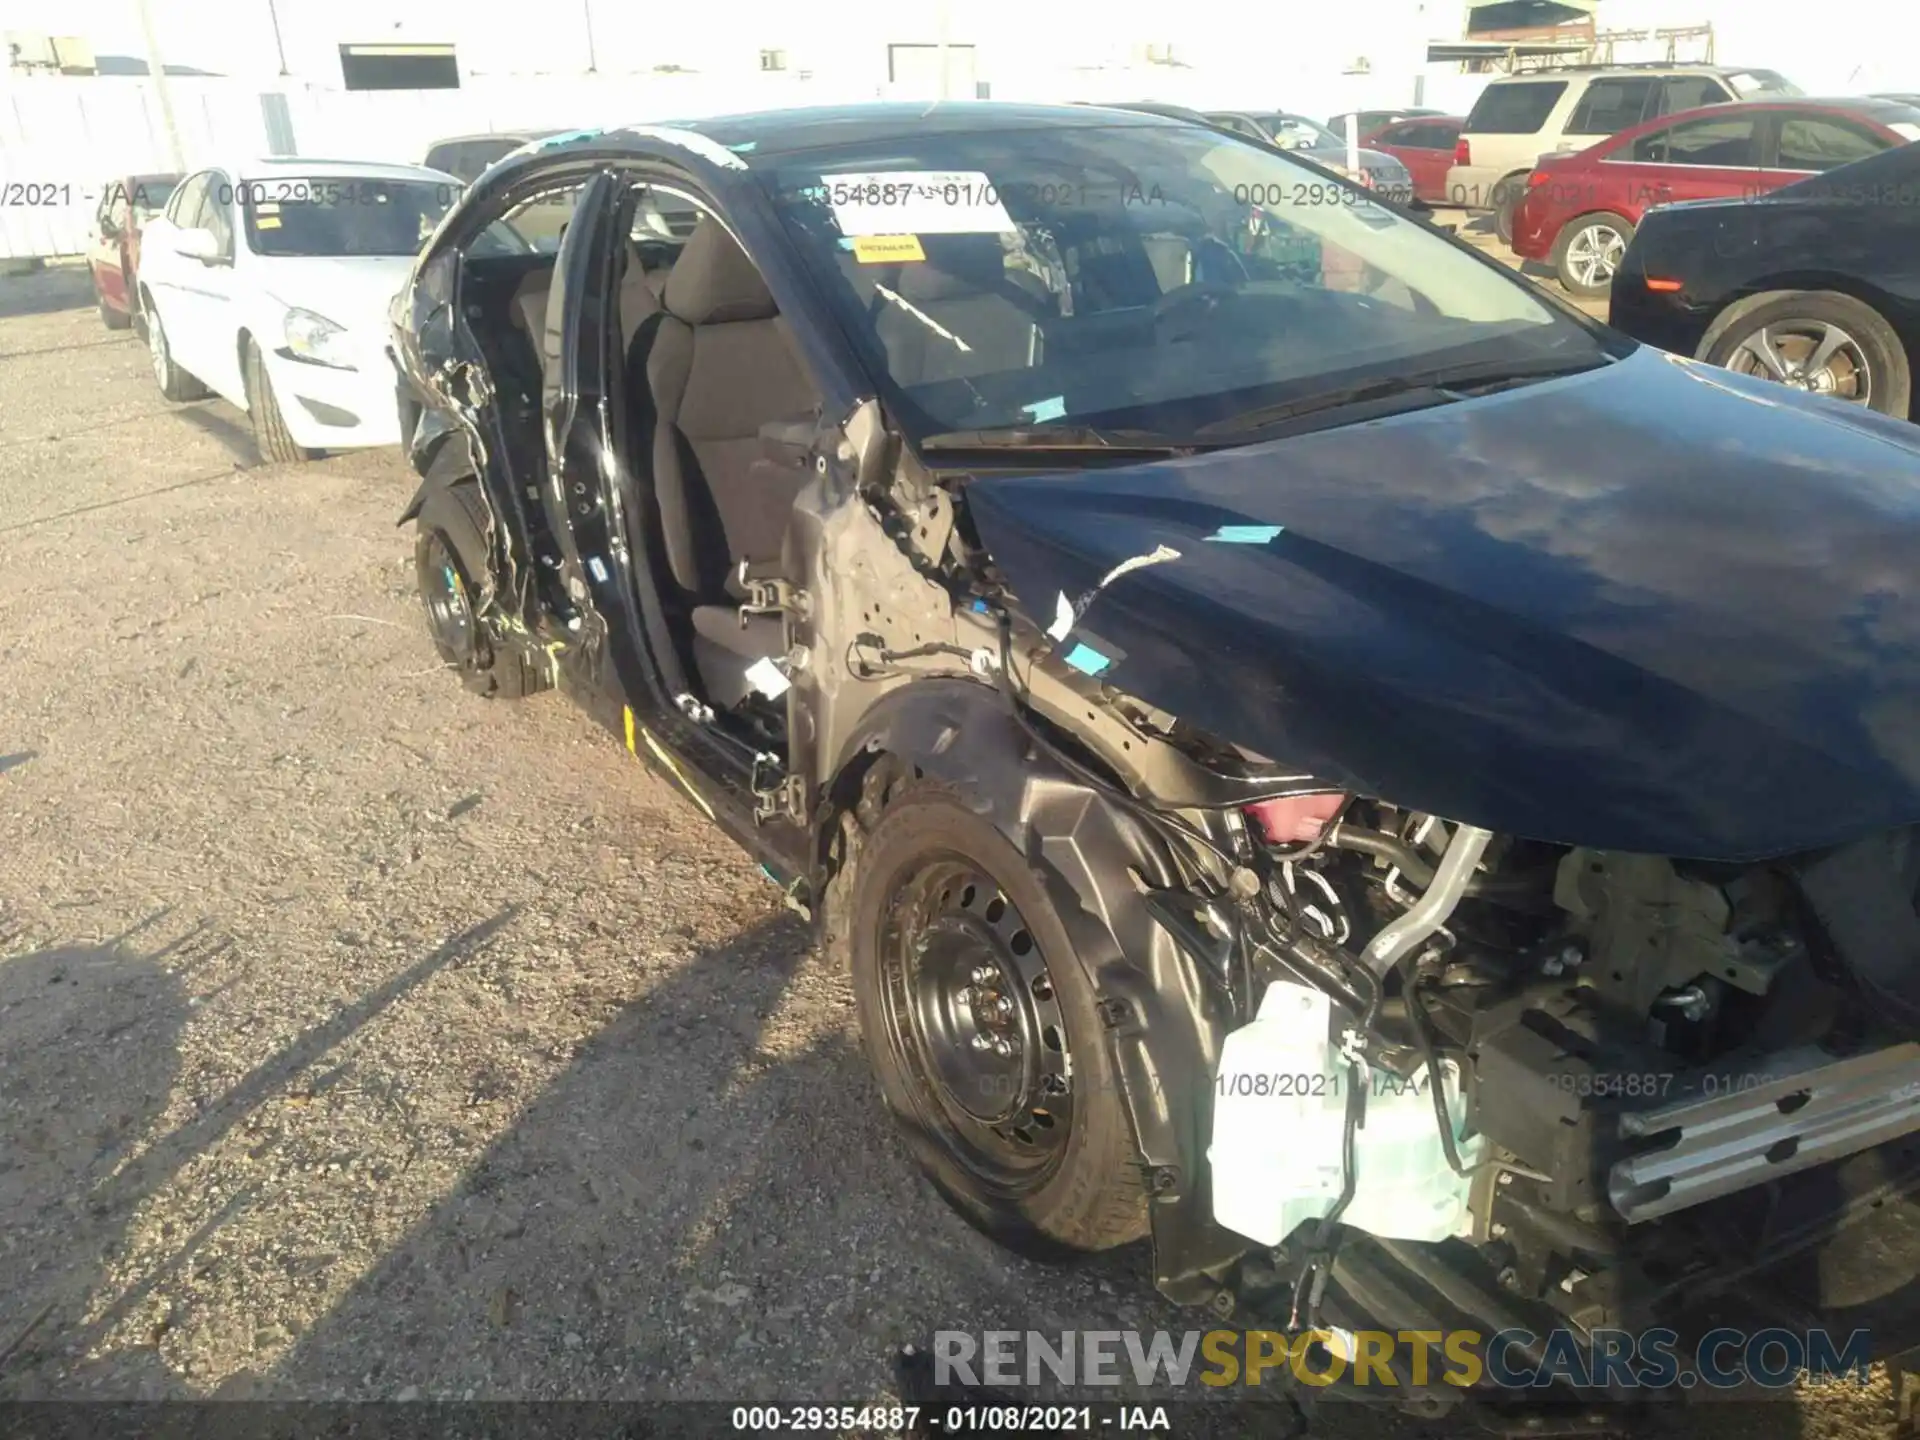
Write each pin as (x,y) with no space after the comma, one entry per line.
(268,282)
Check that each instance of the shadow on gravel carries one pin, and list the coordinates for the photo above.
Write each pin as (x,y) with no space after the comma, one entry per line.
(46,292)
(232,435)
(89,1053)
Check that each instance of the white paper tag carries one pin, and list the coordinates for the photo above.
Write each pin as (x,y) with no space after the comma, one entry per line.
(768,679)
(917,202)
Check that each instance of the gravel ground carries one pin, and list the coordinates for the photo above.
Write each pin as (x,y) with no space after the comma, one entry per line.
(361,1038)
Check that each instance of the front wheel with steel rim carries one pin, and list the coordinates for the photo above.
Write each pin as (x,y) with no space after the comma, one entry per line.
(1588,252)
(450,557)
(985,1031)
(175,384)
(1822,343)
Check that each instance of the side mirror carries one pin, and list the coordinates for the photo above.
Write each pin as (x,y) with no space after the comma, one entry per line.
(201,245)
(109,230)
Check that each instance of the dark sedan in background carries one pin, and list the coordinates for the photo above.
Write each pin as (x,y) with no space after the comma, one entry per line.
(1816,285)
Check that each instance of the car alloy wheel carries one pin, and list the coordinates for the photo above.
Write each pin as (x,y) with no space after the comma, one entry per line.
(1816,356)
(1593,255)
(971,1011)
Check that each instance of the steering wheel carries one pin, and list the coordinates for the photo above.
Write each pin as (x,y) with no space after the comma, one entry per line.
(1200,298)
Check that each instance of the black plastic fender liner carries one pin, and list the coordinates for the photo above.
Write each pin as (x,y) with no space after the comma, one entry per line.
(451,459)
(1166,1019)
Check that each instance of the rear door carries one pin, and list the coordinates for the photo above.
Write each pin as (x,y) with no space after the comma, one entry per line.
(1425,147)
(1711,157)
(107,254)
(1809,143)
(1610,104)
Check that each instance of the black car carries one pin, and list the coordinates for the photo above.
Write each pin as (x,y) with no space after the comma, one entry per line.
(1310,749)
(1813,285)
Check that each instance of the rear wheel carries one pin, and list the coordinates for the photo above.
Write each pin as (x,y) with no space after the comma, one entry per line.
(270,434)
(450,558)
(1589,250)
(1821,342)
(1506,199)
(175,384)
(985,1031)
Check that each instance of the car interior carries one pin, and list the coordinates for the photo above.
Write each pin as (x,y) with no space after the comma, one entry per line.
(711,369)
(708,364)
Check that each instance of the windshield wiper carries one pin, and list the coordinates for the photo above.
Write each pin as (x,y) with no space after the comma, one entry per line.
(1438,386)
(1065,437)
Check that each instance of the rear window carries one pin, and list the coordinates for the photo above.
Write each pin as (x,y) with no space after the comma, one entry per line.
(1749,83)
(1823,142)
(1610,106)
(1517,108)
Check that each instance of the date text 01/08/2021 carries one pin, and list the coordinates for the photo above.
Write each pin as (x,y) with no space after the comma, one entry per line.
(951,1419)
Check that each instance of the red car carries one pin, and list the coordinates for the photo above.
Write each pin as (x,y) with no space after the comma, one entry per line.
(127,202)
(1580,210)
(1424,144)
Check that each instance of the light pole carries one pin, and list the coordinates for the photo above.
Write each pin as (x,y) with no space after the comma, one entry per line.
(593,59)
(157,68)
(279,45)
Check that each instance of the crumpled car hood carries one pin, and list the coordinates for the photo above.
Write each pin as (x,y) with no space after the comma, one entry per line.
(1655,607)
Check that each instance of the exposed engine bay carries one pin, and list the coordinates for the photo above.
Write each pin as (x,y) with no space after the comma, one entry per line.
(1590,1042)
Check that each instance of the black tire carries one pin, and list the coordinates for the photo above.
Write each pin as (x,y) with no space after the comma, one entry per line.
(1588,252)
(111,318)
(1506,198)
(175,384)
(1869,367)
(925,869)
(449,553)
(270,434)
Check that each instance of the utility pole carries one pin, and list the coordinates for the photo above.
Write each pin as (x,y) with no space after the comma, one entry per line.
(593,58)
(158,70)
(946,28)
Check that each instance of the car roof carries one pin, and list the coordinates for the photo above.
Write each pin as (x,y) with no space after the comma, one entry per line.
(826,127)
(1885,111)
(511,137)
(274,167)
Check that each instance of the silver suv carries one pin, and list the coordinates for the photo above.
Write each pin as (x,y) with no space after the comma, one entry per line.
(1519,118)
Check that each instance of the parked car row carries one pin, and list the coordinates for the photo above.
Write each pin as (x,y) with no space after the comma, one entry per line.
(1272,743)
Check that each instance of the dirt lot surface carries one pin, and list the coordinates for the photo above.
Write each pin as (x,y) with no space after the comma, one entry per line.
(362,1038)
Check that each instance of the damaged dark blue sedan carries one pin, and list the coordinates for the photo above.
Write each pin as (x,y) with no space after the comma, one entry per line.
(1313,751)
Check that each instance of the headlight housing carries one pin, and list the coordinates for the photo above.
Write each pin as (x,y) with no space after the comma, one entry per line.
(316,339)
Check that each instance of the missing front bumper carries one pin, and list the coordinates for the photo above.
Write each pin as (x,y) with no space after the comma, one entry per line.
(1805,1110)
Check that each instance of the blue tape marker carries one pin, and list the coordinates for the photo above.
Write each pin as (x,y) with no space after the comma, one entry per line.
(1087,660)
(980,607)
(1246,534)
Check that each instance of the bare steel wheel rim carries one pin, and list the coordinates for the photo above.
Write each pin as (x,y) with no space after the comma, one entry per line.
(1593,255)
(1816,356)
(157,349)
(449,612)
(972,1015)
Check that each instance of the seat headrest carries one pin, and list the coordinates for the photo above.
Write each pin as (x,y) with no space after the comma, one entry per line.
(714,283)
(955,265)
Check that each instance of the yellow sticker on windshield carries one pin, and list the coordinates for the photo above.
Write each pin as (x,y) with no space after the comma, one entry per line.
(887,249)
(266,222)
